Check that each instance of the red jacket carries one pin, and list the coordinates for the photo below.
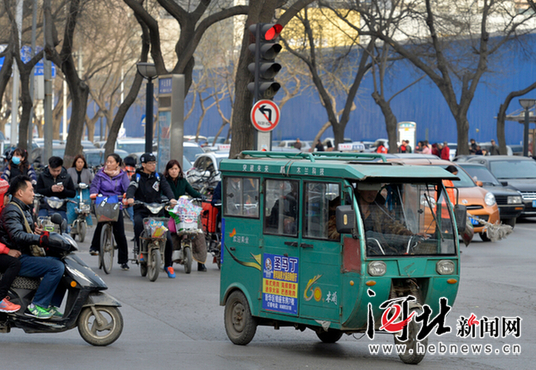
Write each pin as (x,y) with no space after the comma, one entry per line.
(4,249)
(381,149)
(445,153)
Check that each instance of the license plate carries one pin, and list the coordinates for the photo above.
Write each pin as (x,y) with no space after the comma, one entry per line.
(534,204)
(474,221)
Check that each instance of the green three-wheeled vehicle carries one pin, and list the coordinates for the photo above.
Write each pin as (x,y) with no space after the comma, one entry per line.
(335,242)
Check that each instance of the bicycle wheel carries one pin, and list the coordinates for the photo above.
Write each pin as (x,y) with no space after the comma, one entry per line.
(154,265)
(82,231)
(107,248)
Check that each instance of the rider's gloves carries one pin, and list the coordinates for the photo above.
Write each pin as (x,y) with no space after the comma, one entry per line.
(45,241)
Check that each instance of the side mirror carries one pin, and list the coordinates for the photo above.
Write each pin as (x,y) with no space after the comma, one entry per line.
(345,218)
(56,218)
(460,213)
(479,183)
(504,183)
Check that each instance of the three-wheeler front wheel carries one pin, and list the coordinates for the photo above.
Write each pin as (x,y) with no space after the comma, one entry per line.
(415,350)
(240,325)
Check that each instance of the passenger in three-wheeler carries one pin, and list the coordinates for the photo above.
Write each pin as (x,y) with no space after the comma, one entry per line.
(339,243)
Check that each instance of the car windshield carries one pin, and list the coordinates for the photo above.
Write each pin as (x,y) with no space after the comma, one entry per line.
(481,173)
(464,182)
(94,159)
(406,219)
(191,152)
(132,147)
(513,169)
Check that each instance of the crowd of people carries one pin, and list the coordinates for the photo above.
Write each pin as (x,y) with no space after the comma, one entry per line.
(441,150)
(20,233)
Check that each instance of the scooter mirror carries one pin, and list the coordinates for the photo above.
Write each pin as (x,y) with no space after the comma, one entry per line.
(56,218)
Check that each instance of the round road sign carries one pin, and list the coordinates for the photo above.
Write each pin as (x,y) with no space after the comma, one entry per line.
(265,115)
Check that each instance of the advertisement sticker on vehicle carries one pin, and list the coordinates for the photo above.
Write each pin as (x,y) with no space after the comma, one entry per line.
(280,284)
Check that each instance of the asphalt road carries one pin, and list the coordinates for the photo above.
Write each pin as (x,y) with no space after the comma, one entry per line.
(177,323)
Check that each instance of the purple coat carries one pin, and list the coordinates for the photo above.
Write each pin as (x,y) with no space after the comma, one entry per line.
(103,184)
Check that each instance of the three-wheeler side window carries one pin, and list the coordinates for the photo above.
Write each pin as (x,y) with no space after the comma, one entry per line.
(241,197)
(320,201)
(281,207)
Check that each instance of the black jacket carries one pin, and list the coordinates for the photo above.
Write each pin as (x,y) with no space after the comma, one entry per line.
(148,188)
(44,187)
(13,230)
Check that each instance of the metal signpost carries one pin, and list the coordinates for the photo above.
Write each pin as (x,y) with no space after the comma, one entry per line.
(170,119)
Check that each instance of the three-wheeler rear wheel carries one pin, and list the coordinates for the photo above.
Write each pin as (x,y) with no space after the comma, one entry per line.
(330,336)
(240,325)
(415,350)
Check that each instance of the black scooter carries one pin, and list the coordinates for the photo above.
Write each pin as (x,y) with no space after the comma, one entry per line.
(94,312)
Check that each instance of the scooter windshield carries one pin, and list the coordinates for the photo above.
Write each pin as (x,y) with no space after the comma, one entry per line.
(407,219)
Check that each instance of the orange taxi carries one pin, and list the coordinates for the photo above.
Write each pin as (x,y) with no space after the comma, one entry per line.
(480,203)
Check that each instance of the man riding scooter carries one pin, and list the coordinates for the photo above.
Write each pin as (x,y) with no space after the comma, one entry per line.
(18,232)
(54,181)
(148,186)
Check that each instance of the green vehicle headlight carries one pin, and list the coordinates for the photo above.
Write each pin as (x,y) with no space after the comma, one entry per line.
(377,268)
(445,267)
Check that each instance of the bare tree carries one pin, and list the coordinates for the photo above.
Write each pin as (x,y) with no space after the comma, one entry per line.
(329,69)
(63,59)
(449,42)
(501,116)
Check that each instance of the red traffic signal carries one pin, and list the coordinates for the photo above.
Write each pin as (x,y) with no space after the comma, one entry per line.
(269,31)
(265,68)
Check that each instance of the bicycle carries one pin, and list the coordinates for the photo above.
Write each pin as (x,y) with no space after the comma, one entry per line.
(107,210)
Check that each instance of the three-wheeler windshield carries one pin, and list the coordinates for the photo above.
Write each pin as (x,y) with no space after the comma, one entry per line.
(406,219)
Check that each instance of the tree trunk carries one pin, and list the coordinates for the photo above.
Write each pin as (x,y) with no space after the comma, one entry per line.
(390,121)
(109,147)
(5,72)
(501,116)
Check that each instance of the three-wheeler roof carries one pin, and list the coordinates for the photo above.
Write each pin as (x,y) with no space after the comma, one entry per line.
(359,166)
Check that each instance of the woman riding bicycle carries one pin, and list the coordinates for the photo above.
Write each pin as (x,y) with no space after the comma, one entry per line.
(180,186)
(111,180)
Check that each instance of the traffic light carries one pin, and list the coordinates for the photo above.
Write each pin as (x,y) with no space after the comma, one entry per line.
(265,68)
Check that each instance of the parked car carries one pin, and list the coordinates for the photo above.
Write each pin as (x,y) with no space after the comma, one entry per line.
(510,201)
(201,140)
(205,173)
(95,157)
(191,150)
(518,173)
(480,203)
(289,144)
(332,141)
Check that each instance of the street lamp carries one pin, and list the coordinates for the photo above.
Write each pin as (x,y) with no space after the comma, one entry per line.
(526,104)
(148,71)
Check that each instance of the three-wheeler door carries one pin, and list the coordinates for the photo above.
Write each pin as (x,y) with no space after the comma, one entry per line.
(302,253)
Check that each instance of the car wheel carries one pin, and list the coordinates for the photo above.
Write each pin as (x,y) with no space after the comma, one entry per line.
(510,221)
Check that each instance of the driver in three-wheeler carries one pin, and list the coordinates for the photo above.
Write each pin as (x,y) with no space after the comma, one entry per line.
(332,241)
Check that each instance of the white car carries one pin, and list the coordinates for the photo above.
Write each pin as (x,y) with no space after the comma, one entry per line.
(205,173)
(289,144)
